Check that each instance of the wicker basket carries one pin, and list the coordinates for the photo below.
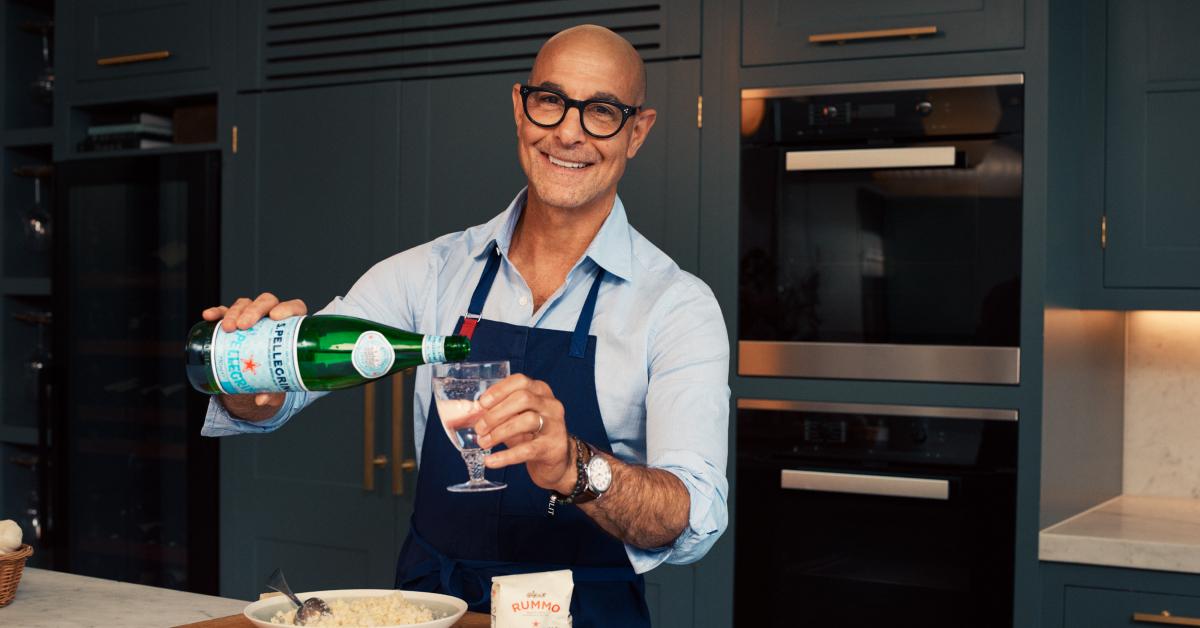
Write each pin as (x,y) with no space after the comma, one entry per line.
(11,565)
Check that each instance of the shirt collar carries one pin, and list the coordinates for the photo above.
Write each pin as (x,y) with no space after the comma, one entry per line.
(611,249)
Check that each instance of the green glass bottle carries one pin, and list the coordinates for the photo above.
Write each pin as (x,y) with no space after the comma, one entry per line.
(308,353)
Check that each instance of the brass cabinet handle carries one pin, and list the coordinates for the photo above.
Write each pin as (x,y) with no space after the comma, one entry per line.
(1165,617)
(402,464)
(370,461)
(157,55)
(885,33)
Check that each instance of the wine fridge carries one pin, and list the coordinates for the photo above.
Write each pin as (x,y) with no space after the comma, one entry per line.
(134,484)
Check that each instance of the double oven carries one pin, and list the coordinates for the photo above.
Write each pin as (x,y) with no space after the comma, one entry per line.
(880,231)
(879,240)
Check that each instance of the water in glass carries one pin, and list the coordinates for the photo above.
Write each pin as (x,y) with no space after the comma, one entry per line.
(456,391)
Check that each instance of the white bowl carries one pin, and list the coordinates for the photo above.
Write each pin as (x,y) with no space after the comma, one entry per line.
(450,609)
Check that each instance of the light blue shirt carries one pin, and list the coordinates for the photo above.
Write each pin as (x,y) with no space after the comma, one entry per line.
(662,354)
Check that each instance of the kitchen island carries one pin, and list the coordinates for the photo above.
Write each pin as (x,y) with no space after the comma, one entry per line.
(62,600)
(1132,531)
(52,599)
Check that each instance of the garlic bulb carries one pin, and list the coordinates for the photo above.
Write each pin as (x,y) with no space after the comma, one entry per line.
(10,536)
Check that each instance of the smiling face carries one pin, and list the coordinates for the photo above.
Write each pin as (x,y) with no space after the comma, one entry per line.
(566,167)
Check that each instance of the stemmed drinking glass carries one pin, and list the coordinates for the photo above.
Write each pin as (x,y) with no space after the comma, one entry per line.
(456,390)
(42,87)
(38,362)
(37,220)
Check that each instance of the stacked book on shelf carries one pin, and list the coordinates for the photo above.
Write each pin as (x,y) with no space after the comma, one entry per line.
(121,132)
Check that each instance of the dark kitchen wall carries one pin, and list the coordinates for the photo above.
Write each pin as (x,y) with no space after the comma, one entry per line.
(26,203)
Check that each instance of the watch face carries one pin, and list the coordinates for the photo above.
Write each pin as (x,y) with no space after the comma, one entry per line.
(599,474)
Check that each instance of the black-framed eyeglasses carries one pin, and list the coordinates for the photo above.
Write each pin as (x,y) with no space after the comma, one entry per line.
(600,118)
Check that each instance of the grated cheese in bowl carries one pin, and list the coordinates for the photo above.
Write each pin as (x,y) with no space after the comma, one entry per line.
(385,610)
(365,607)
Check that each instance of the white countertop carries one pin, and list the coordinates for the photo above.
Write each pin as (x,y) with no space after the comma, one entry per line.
(61,600)
(1129,531)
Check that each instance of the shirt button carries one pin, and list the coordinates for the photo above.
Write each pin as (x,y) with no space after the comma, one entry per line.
(524,301)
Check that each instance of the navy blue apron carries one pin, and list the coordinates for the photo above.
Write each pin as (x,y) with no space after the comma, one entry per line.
(458,541)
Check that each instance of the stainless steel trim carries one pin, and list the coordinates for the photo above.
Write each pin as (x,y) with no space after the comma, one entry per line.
(859,484)
(870,158)
(910,363)
(884,86)
(937,412)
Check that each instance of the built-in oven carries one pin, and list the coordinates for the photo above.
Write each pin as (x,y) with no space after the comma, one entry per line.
(880,230)
(853,515)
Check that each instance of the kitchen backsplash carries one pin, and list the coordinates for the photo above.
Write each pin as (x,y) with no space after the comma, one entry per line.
(1162,404)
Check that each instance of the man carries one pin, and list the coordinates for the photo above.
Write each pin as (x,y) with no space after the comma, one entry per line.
(612,436)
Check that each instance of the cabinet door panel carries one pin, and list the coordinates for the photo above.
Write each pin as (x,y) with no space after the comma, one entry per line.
(1086,607)
(1152,194)
(119,28)
(316,204)
(778,31)
(458,151)
(661,187)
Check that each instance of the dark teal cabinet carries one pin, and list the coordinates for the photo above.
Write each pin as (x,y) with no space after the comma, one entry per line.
(123,49)
(1087,607)
(291,43)
(316,203)
(1152,200)
(1085,596)
(795,31)
(458,152)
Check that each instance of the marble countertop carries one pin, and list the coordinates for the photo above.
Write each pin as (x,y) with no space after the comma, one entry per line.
(1129,531)
(50,598)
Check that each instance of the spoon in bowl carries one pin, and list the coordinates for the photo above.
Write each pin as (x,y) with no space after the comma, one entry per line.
(306,611)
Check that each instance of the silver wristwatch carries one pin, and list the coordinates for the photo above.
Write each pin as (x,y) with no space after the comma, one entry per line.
(594,476)
(599,475)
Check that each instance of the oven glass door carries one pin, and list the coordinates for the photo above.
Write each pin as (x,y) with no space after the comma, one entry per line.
(913,244)
(850,521)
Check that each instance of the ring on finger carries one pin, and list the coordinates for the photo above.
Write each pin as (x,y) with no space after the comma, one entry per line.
(541,424)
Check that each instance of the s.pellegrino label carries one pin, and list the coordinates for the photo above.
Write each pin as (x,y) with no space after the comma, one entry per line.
(259,359)
(321,352)
(433,349)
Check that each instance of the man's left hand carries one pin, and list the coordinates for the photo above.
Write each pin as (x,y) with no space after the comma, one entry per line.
(524,414)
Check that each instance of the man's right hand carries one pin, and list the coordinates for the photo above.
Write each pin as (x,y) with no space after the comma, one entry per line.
(243,314)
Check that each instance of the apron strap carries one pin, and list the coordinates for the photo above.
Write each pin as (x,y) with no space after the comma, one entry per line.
(479,297)
(579,338)
(584,325)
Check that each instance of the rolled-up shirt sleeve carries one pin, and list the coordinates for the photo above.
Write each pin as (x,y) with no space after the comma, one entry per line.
(378,296)
(219,422)
(687,417)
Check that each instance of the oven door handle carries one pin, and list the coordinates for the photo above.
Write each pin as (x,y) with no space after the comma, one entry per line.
(862,484)
(870,158)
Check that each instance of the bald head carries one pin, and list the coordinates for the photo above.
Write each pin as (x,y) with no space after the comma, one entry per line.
(600,45)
